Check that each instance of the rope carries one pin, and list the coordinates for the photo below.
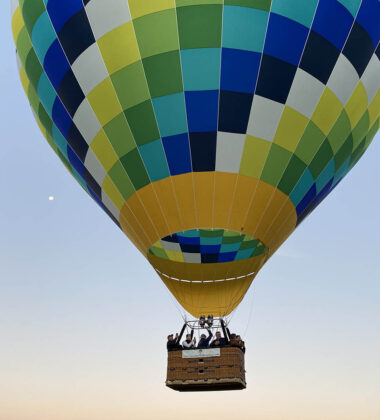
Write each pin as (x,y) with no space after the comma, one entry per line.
(251,308)
(175,303)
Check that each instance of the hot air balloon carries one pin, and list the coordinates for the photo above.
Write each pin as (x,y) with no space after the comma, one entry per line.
(206,129)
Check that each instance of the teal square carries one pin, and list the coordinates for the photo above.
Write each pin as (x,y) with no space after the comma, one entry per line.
(46,93)
(43,36)
(193,233)
(303,186)
(230,247)
(201,68)
(326,175)
(302,11)
(351,5)
(170,114)
(244,254)
(244,28)
(154,159)
(211,241)
(60,141)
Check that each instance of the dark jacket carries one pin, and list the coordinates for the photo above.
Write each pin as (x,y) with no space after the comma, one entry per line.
(222,342)
(173,345)
(203,342)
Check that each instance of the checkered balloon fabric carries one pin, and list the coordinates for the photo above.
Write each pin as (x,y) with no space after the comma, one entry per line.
(182,117)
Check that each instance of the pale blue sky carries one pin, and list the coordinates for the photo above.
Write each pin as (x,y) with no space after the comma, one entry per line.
(83,317)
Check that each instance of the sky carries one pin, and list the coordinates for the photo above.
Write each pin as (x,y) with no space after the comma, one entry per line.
(84,318)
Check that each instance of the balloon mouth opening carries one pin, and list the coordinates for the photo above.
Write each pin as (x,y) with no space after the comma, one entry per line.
(207,246)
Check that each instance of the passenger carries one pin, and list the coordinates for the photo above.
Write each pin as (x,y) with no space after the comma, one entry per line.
(204,342)
(241,343)
(173,343)
(233,340)
(219,340)
(189,343)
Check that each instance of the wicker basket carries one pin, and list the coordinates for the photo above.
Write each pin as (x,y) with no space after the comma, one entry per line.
(206,370)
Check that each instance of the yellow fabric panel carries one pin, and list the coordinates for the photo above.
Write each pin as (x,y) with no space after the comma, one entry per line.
(140,8)
(224,190)
(119,47)
(104,102)
(204,272)
(142,218)
(103,150)
(24,80)
(258,206)
(204,195)
(282,225)
(374,109)
(17,23)
(267,210)
(135,235)
(274,205)
(152,206)
(129,223)
(327,111)
(174,256)
(290,129)
(113,193)
(245,188)
(254,156)
(211,298)
(167,199)
(184,191)
(357,104)
(271,215)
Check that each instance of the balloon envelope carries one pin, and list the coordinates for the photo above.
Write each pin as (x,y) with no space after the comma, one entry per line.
(206,130)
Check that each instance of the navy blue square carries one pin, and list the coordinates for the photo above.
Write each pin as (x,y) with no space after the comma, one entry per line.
(61,118)
(177,151)
(308,199)
(61,11)
(189,240)
(55,64)
(210,249)
(330,12)
(171,238)
(369,19)
(239,70)
(77,142)
(202,110)
(227,256)
(76,35)
(209,258)
(285,39)
(203,151)
(75,162)
(358,48)
(275,79)
(70,93)
(90,181)
(234,110)
(319,57)
(94,196)
(192,249)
